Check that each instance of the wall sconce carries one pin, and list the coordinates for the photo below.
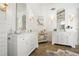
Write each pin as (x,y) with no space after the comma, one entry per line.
(3,7)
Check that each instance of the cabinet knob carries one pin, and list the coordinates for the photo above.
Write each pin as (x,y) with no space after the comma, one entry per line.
(8,38)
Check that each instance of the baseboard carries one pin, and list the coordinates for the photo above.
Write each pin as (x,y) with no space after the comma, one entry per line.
(77,46)
(62,45)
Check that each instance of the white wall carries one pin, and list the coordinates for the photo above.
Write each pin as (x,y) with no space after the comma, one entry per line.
(7,24)
(11,17)
(3,34)
(32,14)
(78,24)
(51,14)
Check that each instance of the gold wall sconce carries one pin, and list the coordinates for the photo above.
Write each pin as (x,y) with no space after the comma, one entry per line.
(3,7)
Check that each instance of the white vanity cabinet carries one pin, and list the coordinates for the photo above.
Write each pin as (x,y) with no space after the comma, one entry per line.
(65,38)
(22,44)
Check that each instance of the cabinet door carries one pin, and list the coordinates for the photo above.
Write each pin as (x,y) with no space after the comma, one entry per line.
(24,45)
(63,38)
(59,37)
(72,38)
(12,51)
(21,45)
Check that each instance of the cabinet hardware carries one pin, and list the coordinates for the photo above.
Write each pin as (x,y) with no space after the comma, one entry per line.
(8,38)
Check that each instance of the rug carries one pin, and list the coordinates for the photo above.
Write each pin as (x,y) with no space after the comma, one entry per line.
(61,52)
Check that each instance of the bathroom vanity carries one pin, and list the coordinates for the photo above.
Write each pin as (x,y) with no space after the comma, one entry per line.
(22,44)
(64,38)
(66,31)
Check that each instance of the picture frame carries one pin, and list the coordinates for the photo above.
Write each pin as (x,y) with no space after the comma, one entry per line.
(40,20)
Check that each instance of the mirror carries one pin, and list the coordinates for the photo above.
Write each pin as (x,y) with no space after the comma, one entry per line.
(21,17)
(24,22)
